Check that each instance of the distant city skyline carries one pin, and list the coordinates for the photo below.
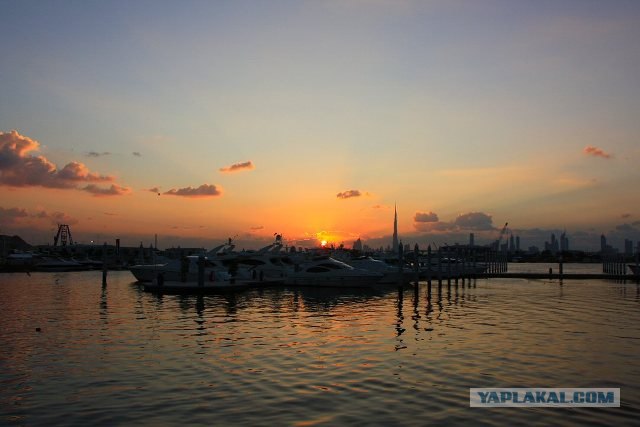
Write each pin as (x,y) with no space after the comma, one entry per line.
(199,121)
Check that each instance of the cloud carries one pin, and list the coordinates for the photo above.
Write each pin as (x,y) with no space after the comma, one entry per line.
(20,169)
(626,227)
(96,154)
(380,207)
(256,228)
(349,194)
(436,226)
(625,215)
(75,171)
(153,189)
(114,190)
(596,152)
(425,217)
(238,167)
(474,221)
(205,190)
(9,216)
(56,217)
(137,154)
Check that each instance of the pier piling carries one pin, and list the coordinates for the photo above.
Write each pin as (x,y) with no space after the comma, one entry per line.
(104,264)
(201,263)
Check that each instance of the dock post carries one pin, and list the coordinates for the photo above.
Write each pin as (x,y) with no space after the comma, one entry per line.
(400,264)
(439,265)
(448,266)
(429,264)
(104,264)
(560,266)
(416,265)
(184,268)
(201,270)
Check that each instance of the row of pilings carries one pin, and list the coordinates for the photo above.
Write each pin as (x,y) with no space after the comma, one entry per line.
(457,262)
(615,263)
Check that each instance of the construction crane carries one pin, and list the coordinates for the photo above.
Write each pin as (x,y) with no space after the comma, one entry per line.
(500,236)
(63,236)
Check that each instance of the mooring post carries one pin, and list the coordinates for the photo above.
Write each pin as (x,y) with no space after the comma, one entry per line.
(104,264)
(560,266)
(184,268)
(400,263)
(416,264)
(429,264)
(201,270)
(439,265)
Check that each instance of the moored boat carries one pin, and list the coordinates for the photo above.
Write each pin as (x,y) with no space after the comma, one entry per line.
(390,273)
(214,281)
(57,264)
(172,270)
(325,271)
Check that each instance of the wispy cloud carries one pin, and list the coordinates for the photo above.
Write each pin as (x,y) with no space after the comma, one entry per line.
(18,168)
(256,228)
(56,217)
(114,190)
(153,189)
(236,167)
(97,154)
(349,194)
(137,154)
(596,152)
(205,190)
(9,216)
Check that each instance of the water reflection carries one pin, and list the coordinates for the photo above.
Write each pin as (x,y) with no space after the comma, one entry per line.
(104,306)
(400,319)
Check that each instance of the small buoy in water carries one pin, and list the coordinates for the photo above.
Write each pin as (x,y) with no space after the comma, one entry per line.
(37,329)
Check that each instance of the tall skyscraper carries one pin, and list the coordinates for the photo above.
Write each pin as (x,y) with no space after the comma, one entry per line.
(564,242)
(394,246)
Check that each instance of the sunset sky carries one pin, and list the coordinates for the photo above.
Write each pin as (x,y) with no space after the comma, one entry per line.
(202,120)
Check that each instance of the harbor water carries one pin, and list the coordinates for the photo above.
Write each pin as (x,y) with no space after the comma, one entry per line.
(74,352)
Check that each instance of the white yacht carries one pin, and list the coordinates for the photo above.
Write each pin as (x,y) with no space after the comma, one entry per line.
(172,270)
(268,263)
(391,274)
(325,271)
(215,280)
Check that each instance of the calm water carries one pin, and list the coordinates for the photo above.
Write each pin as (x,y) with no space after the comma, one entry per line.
(299,357)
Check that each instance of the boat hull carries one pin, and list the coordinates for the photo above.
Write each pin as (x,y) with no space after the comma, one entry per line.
(333,282)
(175,286)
